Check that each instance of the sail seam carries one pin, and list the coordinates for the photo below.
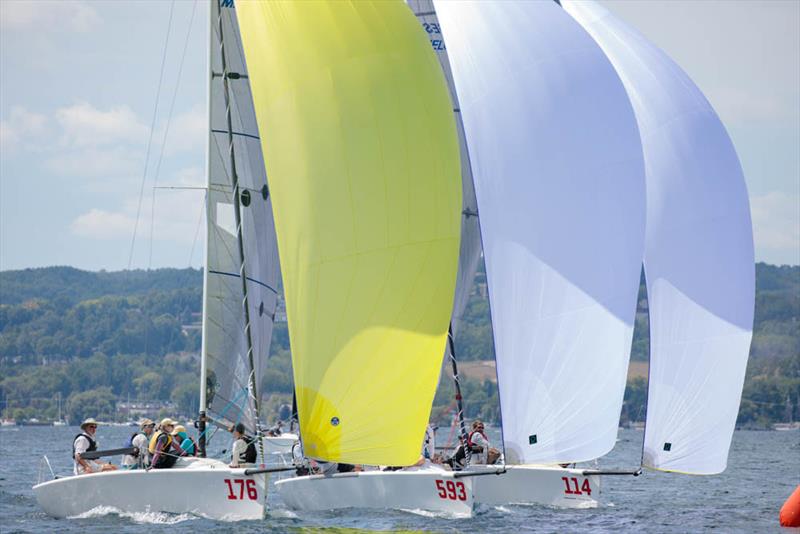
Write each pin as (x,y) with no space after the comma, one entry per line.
(236,275)
(242,134)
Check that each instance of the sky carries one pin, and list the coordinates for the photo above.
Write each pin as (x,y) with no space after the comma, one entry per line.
(78,120)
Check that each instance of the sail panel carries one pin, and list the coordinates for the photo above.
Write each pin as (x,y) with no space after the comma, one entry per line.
(470,248)
(229,398)
(559,177)
(362,155)
(699,260)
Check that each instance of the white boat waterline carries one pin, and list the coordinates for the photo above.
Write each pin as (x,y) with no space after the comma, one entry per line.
(435,489)
(202,487)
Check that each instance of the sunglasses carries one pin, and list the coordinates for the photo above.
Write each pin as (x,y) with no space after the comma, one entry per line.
(91,426)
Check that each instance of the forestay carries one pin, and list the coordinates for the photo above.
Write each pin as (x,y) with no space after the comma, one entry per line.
(470,251)
(362,156)
(559,178)
(228,397)
(698,259)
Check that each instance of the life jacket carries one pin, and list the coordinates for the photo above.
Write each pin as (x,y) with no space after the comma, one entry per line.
(193,446)
(250,455)
(129,443)
(471,443)
(92,443)
(151,448)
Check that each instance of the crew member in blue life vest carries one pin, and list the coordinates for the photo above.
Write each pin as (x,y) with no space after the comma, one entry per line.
(163,448)
(243,451)
(140,441)
(86,442)
(182,438)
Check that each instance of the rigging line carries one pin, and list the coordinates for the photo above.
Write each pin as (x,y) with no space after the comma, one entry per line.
(150,137)
(166,131)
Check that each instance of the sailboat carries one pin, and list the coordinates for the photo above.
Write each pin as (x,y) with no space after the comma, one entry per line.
(239,300)
(583,160)
(60,421)
(363,165)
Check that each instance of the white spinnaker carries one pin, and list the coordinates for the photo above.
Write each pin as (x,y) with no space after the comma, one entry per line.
(559,177)
(699,260)
(470,249)
(225,346)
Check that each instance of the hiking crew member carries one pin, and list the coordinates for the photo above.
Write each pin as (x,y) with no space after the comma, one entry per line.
(429,443)
(243,451)
(141,441)
(83,443)
(299,459)
(163,449)
(186,443)
(478,443)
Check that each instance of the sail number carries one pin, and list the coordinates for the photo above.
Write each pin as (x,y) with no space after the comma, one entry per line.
(250,485)
(455,491)
(577,490)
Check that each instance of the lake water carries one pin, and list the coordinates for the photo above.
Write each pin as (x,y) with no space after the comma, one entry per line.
(763,470)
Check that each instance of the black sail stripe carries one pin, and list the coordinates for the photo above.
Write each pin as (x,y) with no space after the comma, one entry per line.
(236,275)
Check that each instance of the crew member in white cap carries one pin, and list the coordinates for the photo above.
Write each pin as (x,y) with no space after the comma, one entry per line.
(83,443)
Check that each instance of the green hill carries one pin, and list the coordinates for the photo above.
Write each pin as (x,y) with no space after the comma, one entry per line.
(94,336)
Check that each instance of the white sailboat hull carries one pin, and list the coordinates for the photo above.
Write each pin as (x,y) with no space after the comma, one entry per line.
(211,490)
(430,490)
(427,489)
(543,485)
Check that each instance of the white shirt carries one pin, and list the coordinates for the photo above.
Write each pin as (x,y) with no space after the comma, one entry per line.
(81,446)
(480,457)
(297,453)
(141,442)
(237,451)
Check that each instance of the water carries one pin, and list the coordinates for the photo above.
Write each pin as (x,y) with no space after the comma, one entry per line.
(763,469)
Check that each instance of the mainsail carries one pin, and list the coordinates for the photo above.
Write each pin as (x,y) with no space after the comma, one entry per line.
(228,396)
(559,177)
(362,155)
(699,259)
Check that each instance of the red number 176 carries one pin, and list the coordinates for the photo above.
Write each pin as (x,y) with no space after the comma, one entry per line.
(252,492)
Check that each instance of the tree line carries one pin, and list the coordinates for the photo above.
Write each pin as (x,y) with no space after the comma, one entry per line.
(92,339)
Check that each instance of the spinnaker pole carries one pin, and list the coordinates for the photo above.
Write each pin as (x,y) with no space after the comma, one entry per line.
(226,76)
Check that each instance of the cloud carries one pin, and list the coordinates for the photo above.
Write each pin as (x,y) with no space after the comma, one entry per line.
(113,163)
(187,132)
(22,129)
(174,217)
(191,177)
(84,125)
(776,227)
(43,15)
(99,224)
(742,106)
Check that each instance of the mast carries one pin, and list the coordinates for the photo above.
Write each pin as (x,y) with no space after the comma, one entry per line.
(239,237)
(459,403)
(201,426)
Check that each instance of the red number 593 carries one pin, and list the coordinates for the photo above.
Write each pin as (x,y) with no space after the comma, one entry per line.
(455,491)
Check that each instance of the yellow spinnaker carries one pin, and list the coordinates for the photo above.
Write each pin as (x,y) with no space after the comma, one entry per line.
(363,167)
